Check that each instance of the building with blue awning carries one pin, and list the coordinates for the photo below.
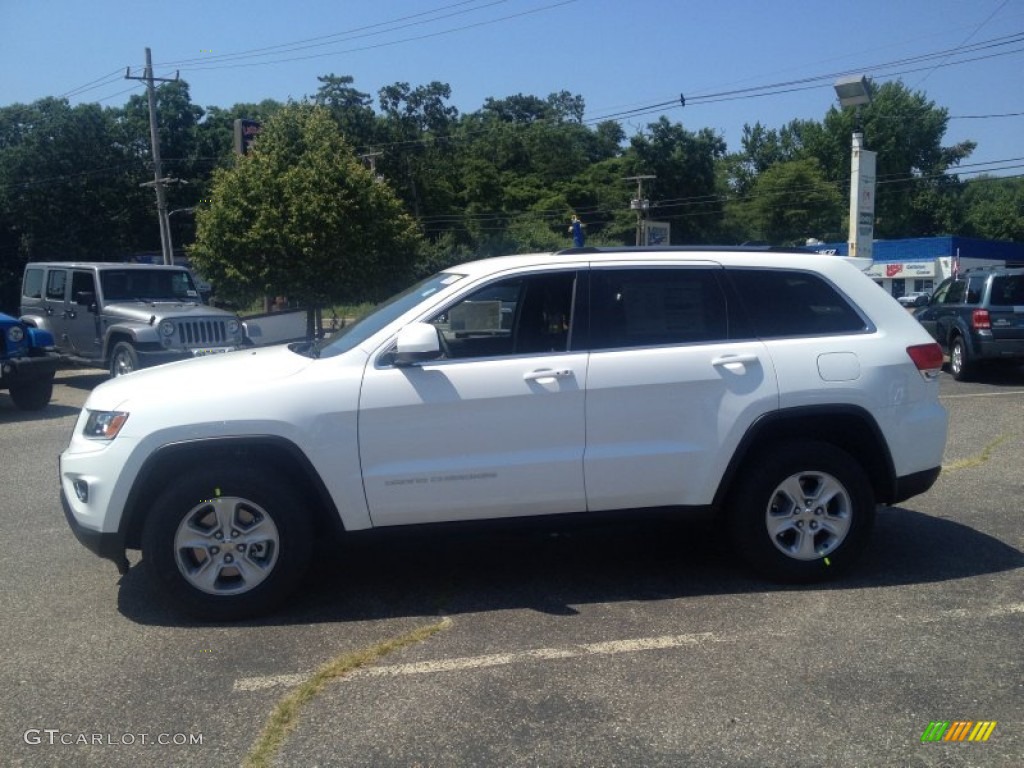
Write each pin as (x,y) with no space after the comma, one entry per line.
(921,263)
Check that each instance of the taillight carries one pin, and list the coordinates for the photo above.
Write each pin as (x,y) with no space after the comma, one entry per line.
(980,320)
(927,358)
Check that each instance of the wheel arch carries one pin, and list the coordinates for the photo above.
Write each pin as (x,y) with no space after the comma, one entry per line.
(113,338)
(848,427)
(171,460)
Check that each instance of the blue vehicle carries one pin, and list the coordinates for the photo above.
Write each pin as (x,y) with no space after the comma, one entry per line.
(28,363)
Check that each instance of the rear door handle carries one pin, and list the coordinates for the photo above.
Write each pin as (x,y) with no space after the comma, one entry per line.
(547,373)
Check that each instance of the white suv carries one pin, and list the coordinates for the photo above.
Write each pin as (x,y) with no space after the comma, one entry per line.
(780,391)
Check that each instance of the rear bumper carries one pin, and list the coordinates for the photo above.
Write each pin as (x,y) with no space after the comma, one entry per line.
(987,348)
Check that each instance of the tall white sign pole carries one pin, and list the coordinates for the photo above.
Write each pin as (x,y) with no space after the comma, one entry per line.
(862,200)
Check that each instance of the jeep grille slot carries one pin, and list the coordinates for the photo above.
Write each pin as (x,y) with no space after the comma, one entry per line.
(199,332)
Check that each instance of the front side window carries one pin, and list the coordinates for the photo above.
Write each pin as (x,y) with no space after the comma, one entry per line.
(956,293)
(784,302)
(353,335)
(528,314)
(656,306)
(82,283)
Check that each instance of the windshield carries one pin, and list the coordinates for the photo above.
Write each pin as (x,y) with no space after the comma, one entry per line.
(148,285)
(386,312)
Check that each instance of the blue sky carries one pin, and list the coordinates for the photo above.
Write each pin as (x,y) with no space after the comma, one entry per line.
(618,55)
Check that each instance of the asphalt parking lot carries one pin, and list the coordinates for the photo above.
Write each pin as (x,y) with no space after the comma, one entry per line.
(607,646)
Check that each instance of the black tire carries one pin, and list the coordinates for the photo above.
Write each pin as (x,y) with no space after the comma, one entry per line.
(253,541)
(33,395)
(820,538)
(961,366)
(123,359)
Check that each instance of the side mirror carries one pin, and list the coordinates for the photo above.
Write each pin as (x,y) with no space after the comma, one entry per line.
(922,301)
(84,298)
(417,343)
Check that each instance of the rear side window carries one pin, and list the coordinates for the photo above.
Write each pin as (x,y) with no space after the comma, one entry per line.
(55,283)
(645,307)
(33,285)
(975,288)
(790,303)
(1007,291)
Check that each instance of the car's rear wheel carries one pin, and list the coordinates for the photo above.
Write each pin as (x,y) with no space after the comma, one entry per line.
(960,364)
(226,543)
(802,512)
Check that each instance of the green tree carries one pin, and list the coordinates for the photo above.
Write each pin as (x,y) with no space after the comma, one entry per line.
(416,124)
(684,192)
(67,182)
(351,108)
(792,201)
(301,216)
(915,192)
(994,208)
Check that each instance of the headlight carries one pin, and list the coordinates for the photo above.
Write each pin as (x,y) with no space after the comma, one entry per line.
(104,425)
(15,334)
(167,328)
(232,327)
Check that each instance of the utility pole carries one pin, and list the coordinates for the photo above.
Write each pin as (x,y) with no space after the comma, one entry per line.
(640,204)
(154,137)
(370,159)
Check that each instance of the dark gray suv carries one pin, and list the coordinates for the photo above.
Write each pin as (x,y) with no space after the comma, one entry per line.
(978,317)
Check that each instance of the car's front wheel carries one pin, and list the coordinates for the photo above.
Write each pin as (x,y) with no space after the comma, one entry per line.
(802,511)
(33,395)
(124,359)
(226,543)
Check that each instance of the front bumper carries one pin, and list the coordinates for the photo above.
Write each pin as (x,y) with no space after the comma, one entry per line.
(19,369)
(149,358)
(107,545)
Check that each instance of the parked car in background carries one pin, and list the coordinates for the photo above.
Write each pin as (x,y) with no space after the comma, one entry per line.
(978,318)
(28,363)
(915,299)
(124,316)
(781,393)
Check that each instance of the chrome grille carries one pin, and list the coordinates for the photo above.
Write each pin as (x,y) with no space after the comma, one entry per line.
(200,333)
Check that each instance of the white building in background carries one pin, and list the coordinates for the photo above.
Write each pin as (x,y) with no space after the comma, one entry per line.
(921,263)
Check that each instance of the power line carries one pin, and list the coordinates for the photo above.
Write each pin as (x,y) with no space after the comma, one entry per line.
(337,37)
(400,41)
(965,40)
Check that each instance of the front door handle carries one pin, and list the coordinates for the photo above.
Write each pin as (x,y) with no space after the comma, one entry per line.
(547,373)
(726,360)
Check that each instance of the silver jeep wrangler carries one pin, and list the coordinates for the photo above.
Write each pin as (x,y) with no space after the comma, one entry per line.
(124,316)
